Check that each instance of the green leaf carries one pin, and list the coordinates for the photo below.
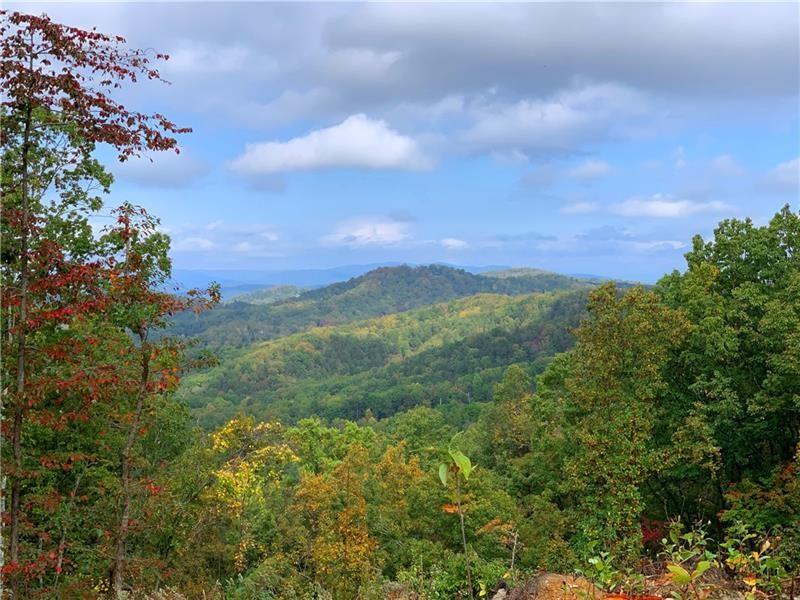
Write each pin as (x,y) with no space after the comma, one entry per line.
(464,464)
(701,568)
(680,576)
(443,473)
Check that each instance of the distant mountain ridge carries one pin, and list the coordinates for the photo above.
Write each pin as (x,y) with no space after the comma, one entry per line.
(235,282)
(379,292)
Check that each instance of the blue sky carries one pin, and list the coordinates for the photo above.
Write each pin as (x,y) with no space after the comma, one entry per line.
(589,138)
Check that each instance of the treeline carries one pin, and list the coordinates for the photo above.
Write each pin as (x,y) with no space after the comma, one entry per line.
(384,291)
(450,353)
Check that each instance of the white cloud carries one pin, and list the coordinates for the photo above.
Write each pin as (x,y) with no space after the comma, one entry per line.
(591,169)
(453,244)
(579,208)
(199,58)
(785,177)
(289,106)
(193,244)
(665,206)
(369,231)
(357,142)
(560,123)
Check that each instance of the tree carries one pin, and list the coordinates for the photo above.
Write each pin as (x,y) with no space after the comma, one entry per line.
(57,106)
(738,374)
(333,510)
(612,391)
(507,423)
(140,269)
(457,470)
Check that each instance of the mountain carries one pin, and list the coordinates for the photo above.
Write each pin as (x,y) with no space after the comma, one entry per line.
(234,282)
(451,353)
(237,281)
(382,291)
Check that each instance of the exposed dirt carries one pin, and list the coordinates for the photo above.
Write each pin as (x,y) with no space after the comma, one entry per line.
(550,586)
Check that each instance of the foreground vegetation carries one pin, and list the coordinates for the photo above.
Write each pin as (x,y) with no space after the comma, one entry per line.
(665,432)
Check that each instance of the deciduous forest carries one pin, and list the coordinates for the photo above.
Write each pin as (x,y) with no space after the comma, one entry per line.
(412,433)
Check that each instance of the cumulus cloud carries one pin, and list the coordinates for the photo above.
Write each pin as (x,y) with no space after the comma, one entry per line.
(591,169)
(665,206)
(357,142)
(199,58)
(561,123)
(369,231)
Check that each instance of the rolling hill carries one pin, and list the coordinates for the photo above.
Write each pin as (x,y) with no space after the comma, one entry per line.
(383,291)
(450,352)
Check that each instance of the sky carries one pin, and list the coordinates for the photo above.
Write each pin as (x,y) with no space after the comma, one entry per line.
(589,138)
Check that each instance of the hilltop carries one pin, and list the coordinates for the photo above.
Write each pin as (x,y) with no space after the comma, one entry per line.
(382,291)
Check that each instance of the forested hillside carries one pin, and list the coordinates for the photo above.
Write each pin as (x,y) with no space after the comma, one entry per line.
(269,295)
(447,353)
(380,292)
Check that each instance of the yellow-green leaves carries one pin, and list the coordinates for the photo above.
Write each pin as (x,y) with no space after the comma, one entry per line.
(459,463)
(680,576)
(443,473)
(462,462)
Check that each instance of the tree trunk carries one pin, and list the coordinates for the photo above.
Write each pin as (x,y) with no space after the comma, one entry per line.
(19,400)
(117,571)
(467,567)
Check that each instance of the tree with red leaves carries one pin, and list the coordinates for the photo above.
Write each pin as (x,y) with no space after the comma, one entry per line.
(57,105)
(140,268)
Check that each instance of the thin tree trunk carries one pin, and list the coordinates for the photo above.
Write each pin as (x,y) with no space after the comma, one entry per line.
(16,432)
(514,551)
(463,536)
(117,572)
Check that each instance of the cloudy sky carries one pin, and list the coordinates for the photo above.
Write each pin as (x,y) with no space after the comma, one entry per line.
(582,138)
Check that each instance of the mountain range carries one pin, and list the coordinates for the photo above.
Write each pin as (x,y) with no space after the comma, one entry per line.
(381,342)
